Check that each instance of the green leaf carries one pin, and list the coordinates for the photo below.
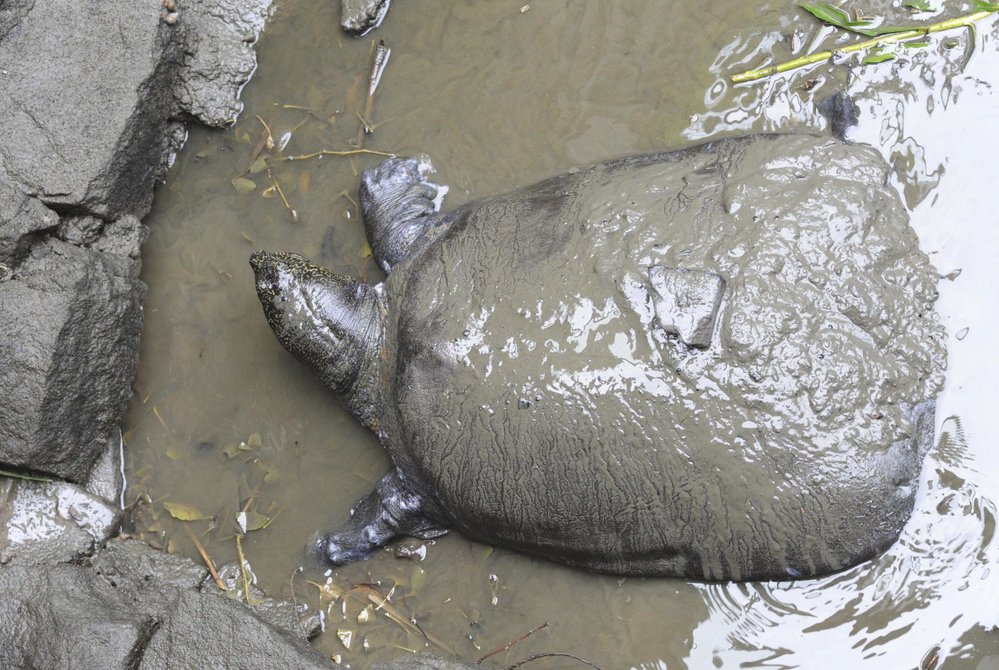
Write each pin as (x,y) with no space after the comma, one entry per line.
(919,5)
(879,57)
(837,17)
(250,521)
(258,165)
(183,512)
(983,6)
(916,44)
(243,185)
(827,13)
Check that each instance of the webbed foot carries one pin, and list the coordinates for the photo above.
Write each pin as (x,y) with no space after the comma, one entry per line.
(399,206)
(392,510)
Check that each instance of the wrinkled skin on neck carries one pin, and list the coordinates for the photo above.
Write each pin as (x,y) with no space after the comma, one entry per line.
(329,322)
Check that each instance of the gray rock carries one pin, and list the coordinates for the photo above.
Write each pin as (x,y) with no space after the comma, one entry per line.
(106,479)
(359,16)
(51,522)
(67,617)
(69,328)
(209,631)
(219,57)
(80,230)
(12,12)
(123,238)
(145,572)
(21,220)
(134,607)
(85,102)
(281,614)
(686,302)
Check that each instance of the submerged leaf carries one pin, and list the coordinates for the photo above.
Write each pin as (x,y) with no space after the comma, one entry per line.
(243,185)
(983,6)
(258,166)
(183,512)
(250,521)
(919,5)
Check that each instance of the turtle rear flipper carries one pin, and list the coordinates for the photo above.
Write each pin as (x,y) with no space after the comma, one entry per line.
(392,510)
(399,207)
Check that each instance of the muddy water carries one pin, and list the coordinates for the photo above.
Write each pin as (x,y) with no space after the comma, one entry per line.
(223,420)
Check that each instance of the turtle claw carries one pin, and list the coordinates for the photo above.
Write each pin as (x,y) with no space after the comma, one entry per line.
(399,206)
(388,512)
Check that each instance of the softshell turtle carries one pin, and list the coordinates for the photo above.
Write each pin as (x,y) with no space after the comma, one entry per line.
(713,363)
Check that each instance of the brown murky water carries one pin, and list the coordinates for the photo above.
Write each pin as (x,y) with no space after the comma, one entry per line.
(223,420)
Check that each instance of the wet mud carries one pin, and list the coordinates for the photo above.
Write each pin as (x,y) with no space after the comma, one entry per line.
(228,434)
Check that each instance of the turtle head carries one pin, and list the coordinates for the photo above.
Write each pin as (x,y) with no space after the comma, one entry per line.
(328,321)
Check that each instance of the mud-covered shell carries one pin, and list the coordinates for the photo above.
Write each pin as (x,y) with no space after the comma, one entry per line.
(538,396)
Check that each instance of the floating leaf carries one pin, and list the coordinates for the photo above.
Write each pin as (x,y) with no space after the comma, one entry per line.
(254,440)
(983,6)
(879,57)
(243,185)
(183,512)
(827,13)
(231,450)
(837,17)
(916,44)
(346,637)
(269,192)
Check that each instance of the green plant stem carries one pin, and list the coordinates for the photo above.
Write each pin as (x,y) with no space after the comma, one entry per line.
(966,21)
(21,475)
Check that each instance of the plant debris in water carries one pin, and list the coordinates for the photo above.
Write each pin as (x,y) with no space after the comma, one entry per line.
(881,36)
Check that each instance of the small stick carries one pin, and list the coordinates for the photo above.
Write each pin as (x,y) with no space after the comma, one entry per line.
(277,185)
(331,152)
(511,643)
(553,653)
(269,142)
(242,568)
(206,558)
(381,58)
(891,38)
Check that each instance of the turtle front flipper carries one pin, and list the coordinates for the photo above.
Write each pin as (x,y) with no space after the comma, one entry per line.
(400,208)
(392,510)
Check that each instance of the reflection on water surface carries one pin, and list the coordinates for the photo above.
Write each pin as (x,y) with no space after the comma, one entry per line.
(224,421)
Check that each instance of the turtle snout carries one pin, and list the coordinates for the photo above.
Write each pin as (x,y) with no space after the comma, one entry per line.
(264,266)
